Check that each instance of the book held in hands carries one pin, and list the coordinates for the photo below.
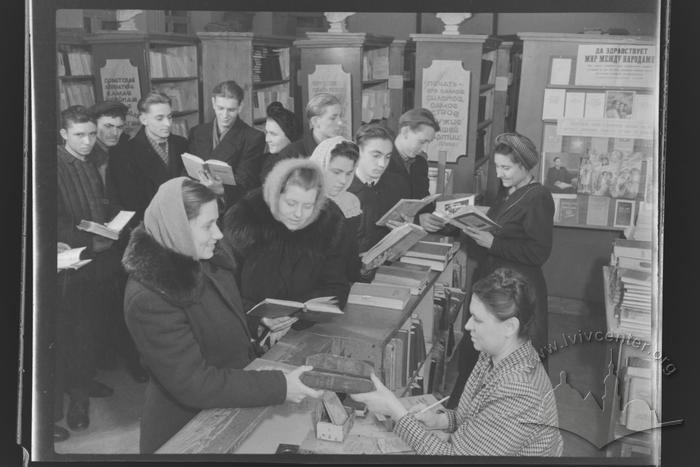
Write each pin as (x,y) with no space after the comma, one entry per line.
(454,202)
(70,259)
(407,208)
(316,308)
(393,245)
(110,230)
(214,167)
(470,217)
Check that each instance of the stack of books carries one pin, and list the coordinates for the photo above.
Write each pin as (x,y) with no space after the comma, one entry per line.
(631,285)
(437,255)
(379,295)
(413,276)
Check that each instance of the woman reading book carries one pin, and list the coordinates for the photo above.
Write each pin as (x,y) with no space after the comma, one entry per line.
(507,407)
(338,157)
(286,240)
(184,311)
(524,209)
(323,113)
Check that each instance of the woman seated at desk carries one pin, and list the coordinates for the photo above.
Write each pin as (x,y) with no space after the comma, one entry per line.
(286,240)
(507,407)
(338,157)
(184,311)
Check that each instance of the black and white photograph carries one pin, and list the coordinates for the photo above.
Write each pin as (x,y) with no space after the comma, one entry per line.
(209,160)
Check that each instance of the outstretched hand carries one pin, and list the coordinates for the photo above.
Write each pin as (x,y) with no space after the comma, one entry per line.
(296,390)
(381,400)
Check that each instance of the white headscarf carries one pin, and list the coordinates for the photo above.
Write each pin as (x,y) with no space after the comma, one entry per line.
(348,203)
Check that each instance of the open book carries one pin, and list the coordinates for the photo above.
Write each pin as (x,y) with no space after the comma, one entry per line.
(471,217)
(393,245)
(213,167)
(406,207)
(70,259)
(110,230)
(275,308)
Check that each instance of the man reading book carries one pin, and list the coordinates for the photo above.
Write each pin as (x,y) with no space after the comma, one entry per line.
(80,196)
(230,139)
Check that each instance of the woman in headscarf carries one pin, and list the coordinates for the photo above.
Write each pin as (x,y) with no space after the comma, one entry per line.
(323,113)
(524,209)
(280,129)
(184,311)
(338,157)
(285,238)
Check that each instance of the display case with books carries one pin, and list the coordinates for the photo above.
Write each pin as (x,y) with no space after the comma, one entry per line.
(130,64)
(74,70)
(362,70)
(264,66)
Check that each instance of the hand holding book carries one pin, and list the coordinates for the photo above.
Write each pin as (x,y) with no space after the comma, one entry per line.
(211,181)
(482,238)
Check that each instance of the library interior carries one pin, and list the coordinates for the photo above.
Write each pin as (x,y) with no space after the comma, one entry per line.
(356,233)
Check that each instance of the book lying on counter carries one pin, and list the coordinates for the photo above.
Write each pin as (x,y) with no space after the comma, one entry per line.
(413,276)
(469,217)
(70,259)
(311,309)
(193,164)
(406,207)
(110,230)
(393,245)
(383,296)
(436,255)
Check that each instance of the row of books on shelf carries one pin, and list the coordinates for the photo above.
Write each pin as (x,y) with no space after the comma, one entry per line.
(263,98)
(631,285)
(182,94)
(173,62)
(637,403)
(270,64)
(375,104)
(75,94)
(488,71)
(375,64)
(403,357)
(74,62)
(182,125)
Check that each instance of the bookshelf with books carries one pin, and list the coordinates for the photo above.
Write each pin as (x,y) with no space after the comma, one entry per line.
(130,64)
(467,122)
(355,67)
(264,66)
(74,70)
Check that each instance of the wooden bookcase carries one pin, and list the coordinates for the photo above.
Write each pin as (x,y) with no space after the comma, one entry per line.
(165,62)
(367,60)
(75,70)
(486,58)
(401,84)
(264,66)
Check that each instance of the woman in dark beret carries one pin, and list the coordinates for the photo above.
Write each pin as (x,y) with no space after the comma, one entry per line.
(524,209)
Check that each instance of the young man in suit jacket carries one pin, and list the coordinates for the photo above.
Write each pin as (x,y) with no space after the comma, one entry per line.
(229,139)
(417,128)
(148,159)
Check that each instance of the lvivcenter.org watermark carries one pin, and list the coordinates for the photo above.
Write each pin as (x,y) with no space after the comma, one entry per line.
(667,367)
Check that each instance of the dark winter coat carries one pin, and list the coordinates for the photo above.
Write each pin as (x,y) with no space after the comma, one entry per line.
(242,148)
(274,262)
(187,321)
(136,171)
(348,243)
(301,148)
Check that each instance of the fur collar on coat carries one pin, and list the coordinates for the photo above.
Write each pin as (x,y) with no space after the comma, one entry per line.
(176,277)
(249,224)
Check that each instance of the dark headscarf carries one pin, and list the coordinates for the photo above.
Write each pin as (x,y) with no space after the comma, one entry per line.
(524,149)
(285,119)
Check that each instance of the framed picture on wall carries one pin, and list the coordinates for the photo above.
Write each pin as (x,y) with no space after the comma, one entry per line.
(624,213)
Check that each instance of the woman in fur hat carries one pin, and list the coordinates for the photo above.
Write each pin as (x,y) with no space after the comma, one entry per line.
(286,240)
(184,311)
(525,211)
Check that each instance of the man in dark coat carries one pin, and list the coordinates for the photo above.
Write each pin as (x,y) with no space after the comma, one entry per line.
(229,139)
(148,159)
(80,197)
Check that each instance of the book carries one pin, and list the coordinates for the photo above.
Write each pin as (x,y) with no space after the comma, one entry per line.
(434,265)
(406,207)
(469,217)
(637,249)
(338,374)
(635,277)
(431,250)
(110,230)
(311,309)
(70,259)
(393,245)
(453,203)
(383,296)
(334,408)
(193,164)
(414,276)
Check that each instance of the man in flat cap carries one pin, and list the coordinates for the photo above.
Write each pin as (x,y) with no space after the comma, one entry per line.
(417,128)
